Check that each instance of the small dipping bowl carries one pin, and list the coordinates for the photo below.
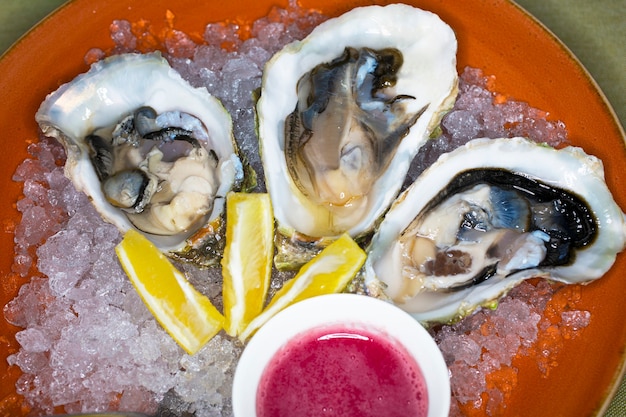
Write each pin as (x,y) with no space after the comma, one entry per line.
(341,311)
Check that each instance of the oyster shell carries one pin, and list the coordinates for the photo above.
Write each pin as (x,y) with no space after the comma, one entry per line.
(152,152)
(343,112)
(487,216)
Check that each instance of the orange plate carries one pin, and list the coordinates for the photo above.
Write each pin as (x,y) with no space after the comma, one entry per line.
(529,64)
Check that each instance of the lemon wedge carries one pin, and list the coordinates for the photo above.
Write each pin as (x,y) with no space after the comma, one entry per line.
(329,272)
(187,315)
(247,261)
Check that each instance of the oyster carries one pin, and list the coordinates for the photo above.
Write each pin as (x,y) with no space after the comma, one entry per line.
(487,216)
(152,152)
(342,113)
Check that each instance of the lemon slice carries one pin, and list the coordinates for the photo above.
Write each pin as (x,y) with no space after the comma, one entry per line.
(247,261)
(187,315)
(329,272)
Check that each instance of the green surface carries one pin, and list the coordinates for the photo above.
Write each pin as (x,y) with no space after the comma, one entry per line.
(18,16)
(595,31)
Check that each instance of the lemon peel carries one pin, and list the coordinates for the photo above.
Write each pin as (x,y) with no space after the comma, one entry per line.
(187,315)
(329,272)
(247,261)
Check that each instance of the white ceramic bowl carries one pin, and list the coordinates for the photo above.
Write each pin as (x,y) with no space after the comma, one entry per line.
(341,309)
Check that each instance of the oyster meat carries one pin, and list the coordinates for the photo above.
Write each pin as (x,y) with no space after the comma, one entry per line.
(342,113)
(487,216)
(152,152)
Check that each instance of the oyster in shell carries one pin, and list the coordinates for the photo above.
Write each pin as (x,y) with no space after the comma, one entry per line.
(343,112)
(487,216)
(152,152)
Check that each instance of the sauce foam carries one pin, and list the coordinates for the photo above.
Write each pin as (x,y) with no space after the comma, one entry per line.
(342,371)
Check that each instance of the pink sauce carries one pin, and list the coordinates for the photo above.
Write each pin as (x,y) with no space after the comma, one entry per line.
(342,372)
